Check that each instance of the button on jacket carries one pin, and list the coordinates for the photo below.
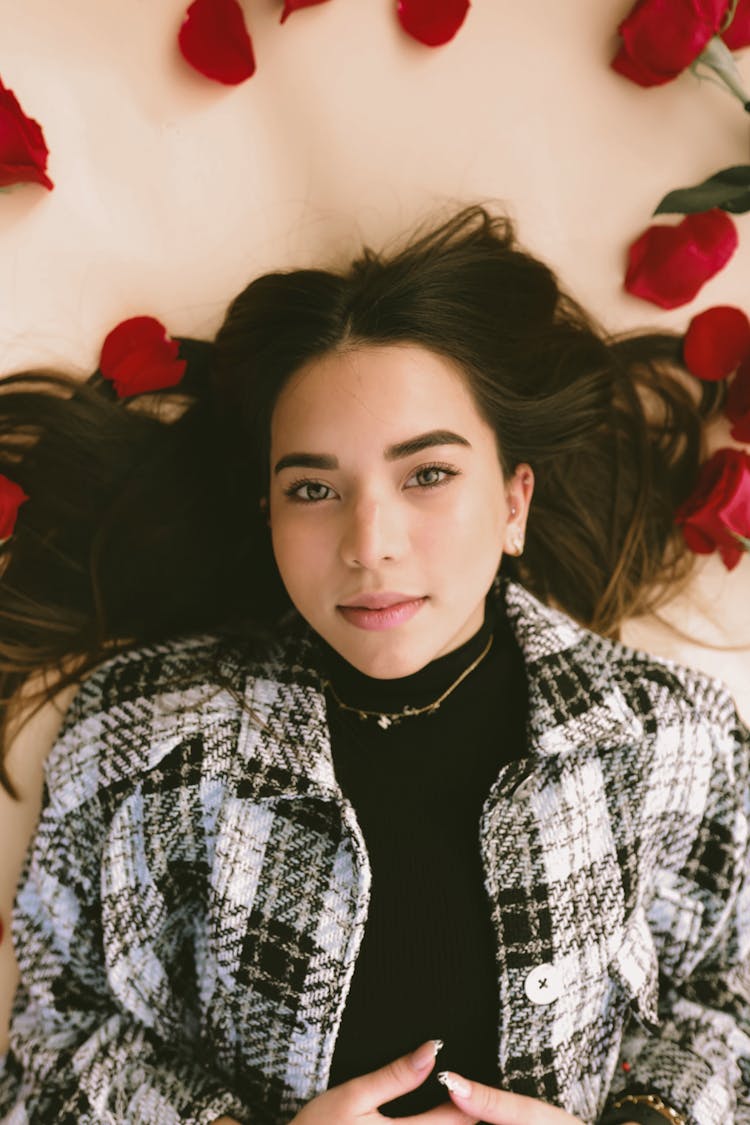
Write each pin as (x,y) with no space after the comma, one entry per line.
(191,910)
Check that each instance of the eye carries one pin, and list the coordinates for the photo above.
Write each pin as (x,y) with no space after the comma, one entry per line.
(309,491)
(431,476)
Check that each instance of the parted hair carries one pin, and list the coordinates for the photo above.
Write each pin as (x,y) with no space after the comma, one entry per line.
(144,519)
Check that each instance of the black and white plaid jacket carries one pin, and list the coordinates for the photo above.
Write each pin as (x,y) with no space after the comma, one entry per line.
(191,910)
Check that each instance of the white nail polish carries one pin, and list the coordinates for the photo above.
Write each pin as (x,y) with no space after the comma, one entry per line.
(423,1057)
(455,1084)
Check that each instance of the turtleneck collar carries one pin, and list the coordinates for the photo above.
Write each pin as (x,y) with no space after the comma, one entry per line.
(417,690)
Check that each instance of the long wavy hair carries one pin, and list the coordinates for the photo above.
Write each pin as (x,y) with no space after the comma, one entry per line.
(144,519)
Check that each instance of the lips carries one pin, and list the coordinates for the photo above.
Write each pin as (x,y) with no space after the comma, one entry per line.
(377,601)
(381,611)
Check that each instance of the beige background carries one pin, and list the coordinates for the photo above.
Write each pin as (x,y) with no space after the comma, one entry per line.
(172,192)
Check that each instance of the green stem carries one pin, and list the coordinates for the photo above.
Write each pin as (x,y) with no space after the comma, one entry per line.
(718,58)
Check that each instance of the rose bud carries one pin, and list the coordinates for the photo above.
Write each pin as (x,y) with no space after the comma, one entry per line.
(716,516)
(660,38)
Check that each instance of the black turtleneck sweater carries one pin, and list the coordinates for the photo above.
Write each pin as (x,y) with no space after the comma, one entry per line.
(426,967)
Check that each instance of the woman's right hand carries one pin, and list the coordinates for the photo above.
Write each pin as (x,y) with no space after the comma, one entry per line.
(356,1102)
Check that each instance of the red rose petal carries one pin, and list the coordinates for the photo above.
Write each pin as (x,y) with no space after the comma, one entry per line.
(12,496)
(214,39)
(737,35)
(293,6)
(737,408)
(23,151)
(432,22)
(127,336)
(669,264)
(716,342)
(719,507)
(138,357)
(660,39)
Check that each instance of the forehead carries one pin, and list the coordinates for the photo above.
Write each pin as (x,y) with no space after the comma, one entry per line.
(373,394)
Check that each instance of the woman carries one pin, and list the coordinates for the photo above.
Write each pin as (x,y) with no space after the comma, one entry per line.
(356,760)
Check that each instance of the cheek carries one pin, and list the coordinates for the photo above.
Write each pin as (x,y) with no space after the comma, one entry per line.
(477,522)
(299,550)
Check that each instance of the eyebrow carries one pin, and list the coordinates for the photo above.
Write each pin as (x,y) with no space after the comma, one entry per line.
(393,452)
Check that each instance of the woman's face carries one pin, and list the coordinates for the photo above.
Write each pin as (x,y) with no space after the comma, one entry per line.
(388,509)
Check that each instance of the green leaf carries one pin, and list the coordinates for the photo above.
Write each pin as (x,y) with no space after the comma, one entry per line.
(741,539)
(728,189)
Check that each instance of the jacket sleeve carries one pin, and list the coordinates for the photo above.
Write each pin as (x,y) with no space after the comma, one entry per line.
(77,1054)
(696,1058)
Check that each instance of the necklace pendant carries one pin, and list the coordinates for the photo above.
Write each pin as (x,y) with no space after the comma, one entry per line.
(384,721)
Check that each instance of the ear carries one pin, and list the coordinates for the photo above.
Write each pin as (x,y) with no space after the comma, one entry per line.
(518,493)
(264,509)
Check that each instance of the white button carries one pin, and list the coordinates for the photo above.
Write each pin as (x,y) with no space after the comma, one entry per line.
(543,984)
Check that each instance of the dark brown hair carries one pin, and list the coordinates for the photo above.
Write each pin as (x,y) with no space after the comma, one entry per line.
(144,519)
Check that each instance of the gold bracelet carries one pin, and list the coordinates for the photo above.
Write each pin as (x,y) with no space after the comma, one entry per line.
(654,1102)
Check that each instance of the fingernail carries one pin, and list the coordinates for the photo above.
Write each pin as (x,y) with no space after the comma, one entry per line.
(425,1055)
(455,1084)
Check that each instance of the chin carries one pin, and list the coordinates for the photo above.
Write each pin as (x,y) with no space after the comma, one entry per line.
(385,665)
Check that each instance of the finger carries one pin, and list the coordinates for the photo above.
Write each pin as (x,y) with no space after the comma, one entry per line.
(366,1093)
(500,1107)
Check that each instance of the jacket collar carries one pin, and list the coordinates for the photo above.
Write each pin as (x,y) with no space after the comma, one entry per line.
(575,702)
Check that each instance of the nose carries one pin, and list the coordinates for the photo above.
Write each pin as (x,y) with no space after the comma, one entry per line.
(374,532)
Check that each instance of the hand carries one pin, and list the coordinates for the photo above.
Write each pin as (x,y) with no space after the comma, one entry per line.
(500,1107)
(356,1102)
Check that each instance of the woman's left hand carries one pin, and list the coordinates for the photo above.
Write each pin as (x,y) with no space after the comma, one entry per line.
(499,1107)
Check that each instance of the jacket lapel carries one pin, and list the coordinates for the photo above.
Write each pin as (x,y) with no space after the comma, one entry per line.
(544,829)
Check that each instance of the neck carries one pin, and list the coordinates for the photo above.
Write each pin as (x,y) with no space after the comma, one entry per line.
(361,692)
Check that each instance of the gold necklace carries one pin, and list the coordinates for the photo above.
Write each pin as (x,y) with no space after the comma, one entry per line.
(387,719)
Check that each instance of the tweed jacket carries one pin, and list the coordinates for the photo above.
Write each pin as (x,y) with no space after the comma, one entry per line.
(191,909)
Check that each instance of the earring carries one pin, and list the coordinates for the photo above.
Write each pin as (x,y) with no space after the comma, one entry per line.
(518,537)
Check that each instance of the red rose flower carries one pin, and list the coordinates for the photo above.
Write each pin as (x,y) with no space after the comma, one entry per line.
(717,514)
(662,37)
(138,357)
(293,5)
(432,22)
(12,496)
(668,265)
(213,38)
(23,152)
(737,35)
(737,407)
(716,342)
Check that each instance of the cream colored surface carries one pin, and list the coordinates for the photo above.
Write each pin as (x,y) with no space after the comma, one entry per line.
(172,192)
